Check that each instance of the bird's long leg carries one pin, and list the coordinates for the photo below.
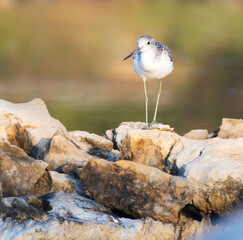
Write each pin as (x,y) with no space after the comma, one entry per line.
(157,103)
(146,102)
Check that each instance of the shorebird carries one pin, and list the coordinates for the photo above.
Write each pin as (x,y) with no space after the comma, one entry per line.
(151,60)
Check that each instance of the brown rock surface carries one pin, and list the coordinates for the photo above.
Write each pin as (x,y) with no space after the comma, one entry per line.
(231,128)
(62,150)
(18,172)
(148,147)
(27,125)
(138,190)
(52,181)
(118,134)
(197,134)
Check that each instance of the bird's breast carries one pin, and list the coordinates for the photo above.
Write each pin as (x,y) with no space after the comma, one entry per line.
(148,65)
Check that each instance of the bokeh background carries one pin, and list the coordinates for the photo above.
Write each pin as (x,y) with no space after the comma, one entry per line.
(69,53)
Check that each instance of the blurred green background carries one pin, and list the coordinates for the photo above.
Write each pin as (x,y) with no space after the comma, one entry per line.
(69,53)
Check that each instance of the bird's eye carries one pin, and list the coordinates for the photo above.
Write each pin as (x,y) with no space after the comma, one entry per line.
(148,42)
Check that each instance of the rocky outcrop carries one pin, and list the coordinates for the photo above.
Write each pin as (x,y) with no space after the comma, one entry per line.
(230,128)
(197,134)
(27,125)
(67,216)
(217,175)
(148,147)
(138,190)
(118,134)
(131,184)
(62,150)
(18,172)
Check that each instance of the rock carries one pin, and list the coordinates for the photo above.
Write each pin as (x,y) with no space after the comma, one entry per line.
(231,128)
(191,229)
(94,144)
(62,150)
(135,189)
(18,209)
(88,141)
(18,172)
(148,147)
(217,175)
(197,134)
(74,217)
(27,125)
(52,181)
(118,134)
(184,151)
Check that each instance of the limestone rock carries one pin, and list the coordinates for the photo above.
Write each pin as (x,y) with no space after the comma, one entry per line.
(52,181)
(70,216)
(89,141)
(18,172)
(191,229)
(118,134)
(231,128)
(62,150)
(217,175)
(197,134)
(138,190)
(94,144)
(18,209)
(186,150)
(148,147)
(27,125)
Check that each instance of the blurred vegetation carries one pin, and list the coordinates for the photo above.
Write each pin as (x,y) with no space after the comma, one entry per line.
(70,54)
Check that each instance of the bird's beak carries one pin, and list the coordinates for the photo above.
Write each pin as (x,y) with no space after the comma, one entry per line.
(136,50)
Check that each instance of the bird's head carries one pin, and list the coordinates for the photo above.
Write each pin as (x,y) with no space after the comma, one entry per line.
(145,42)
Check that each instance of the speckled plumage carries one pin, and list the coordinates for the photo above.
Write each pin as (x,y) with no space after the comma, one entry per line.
(151,60)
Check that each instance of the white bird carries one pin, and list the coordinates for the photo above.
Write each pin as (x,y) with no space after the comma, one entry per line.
(151,60)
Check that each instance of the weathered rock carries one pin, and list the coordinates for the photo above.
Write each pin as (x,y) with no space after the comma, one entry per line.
(217,175)
(52,181)
(184,151)
(62,150)
(138,190)
(88,141)
(18,209)
(94,144)
(231,128)
(118,134)
(73,217)
(148,147)
(191,229)
(18,172)
(197,134)
(27,125)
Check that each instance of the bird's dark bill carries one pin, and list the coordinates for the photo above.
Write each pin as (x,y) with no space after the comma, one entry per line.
(131,54)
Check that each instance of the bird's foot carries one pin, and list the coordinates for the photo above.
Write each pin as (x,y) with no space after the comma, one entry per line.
(150,126)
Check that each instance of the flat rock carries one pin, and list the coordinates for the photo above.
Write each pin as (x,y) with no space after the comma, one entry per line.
(27,125)
(186,150)
(18,172)
(62,150)
(118,134)
(197,134)
(231,128)
(70,216)
(217,175)
(148,147)
(136,189)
